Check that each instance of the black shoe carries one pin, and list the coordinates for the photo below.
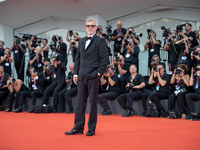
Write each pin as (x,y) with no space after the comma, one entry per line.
(32,110)
(90,133)
(128,114)
(18,110)
(73,132)
(107,112)
(8,110)
(69,111)
(1,108)
(54,111)
(132,112)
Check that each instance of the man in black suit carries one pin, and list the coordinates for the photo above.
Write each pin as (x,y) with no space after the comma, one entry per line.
(90,63)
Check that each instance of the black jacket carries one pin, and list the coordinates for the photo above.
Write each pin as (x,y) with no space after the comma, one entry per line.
(39,84)
(59,71)
(92,60)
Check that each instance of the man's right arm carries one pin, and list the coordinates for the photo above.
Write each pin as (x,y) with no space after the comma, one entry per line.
(121,71)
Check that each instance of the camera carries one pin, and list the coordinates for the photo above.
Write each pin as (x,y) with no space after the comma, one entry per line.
(26,36)
(178,71)
(70,32)
(130,32)
(73,45)
(131,85)
(57,58)
(116,57)
(126,42)
(179,28)
(138,34)
(8,52)
(196,69)
(98,30)
(45,66)
(12,80)
(195,53)
(17,39)
(33,71)
(148,32)
(154,63)
(54,38)
(166,32)
(109,30)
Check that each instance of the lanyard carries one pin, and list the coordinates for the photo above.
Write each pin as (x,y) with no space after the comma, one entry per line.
(188,33)
(7,59)
(178,80)
(119,30)
(184,52)
(197,80)
(152,44)
(2,78)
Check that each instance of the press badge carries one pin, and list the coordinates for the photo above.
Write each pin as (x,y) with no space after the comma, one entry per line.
(197,85)
(177,87)
(157,88)
(170,73)
(7,64)
(54,76)
(119,76)
(16,51)
(39,65)
(151,50)
(48,77)
(184,58)
(128,55)
(107,88)
(119,39)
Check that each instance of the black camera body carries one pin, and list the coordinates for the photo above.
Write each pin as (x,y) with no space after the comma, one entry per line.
(179,28)
(148,32)
(166,32)
(70,32)
(126,42)
(17,39)
(196,69)
(117,57)
(109,30)
(26,37)
(178,71)
(195,53)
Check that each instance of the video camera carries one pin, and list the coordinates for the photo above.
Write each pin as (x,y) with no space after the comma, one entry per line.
(179,28)
(166,32)
(26,36)
(17,39)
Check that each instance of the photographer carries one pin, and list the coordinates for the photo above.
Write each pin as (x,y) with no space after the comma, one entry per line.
(181,83)
(172,51)
(71,33)
(153,46)
(130,34)
(36,60)
(36,90)
(197,36)
(32,46)
(15,87)
(122,70)
(46,75)
(183,46)
(57,71)
(1,48)
(73,45)
(68,92)
(130,52)
(161,82)
(3,86)
(62,50)
(45,48)
(110,84)
(194,82)
(6,61)
(195,55)
(189,35)
(118,36)
(19,59)
(134,87)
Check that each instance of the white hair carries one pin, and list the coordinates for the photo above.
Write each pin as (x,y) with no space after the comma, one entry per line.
(90,20)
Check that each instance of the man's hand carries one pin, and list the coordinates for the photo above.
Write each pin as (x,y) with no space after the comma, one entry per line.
(156,73)
(75,79)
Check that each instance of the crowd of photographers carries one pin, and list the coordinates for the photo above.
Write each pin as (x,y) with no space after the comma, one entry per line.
(121,80)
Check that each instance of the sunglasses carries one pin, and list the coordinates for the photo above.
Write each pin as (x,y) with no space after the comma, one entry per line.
(92,26)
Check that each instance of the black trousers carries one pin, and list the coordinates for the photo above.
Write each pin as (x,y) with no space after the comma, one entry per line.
(20,75)
(144,97)
(11,99)
(23,95)
(104,97)
(86,89)
(182,107)
(126,100)
(155,97)
(55,89)
(34,95)
(122,84)
(3,95)
(67,95)
(191,97)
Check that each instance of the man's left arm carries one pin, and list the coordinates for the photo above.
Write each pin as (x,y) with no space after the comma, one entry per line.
(103,56)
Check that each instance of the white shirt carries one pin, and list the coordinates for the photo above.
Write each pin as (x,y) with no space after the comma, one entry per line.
(88,42)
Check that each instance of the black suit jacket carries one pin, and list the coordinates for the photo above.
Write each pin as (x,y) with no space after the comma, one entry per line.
(39,84)
(91,61)
(60,73)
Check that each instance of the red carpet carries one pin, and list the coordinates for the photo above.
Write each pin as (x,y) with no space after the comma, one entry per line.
(46,132)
